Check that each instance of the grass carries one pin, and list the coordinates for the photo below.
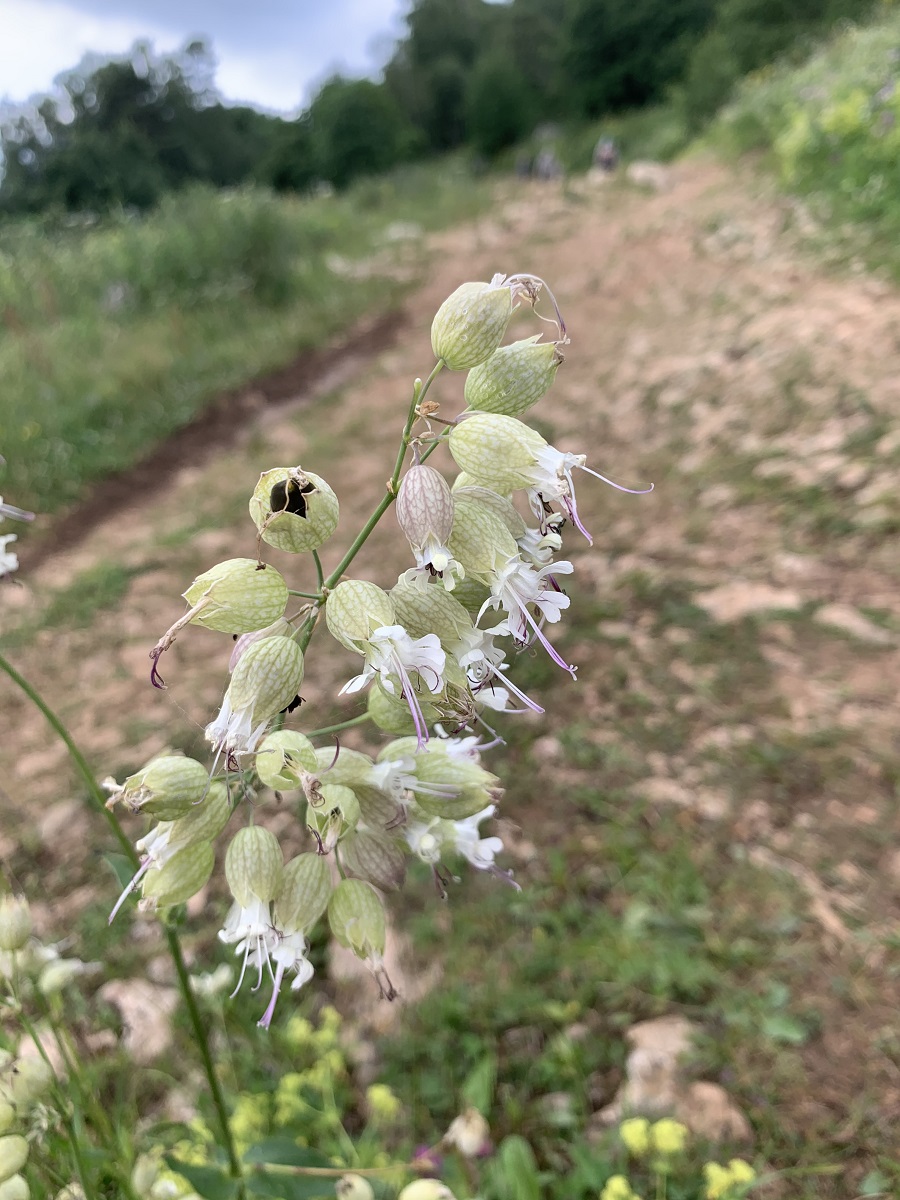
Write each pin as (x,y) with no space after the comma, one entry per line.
(829,128)
(114,335)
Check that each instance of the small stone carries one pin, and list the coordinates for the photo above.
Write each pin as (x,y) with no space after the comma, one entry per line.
(849,620)
(146,1012)
(745,598)
(709,1112)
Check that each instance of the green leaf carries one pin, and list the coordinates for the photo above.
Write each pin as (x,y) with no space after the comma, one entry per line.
(515,1171)
(478,1087)
(285,1152)
(208,1182)
(121,867)
(782,1027)
(875,1184)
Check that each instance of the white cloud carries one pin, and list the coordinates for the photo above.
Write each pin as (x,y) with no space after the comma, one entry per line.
(42,39)
(273,62)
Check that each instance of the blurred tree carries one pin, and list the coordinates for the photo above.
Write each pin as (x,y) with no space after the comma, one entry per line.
(356,129)
(128,130)
(745,35)
(623,53)
(428,73)
(499,105)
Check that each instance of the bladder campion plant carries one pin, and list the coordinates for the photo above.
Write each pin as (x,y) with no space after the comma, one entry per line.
(436,655)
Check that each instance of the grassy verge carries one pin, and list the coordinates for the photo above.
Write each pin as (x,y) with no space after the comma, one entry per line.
(115,335)
(831,130)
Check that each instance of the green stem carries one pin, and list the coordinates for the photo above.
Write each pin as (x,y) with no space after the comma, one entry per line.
(61,1104)
(320,574)
(98,803)
(360,720)
(419,391)
(305,595)
(215,1088)
(390,495)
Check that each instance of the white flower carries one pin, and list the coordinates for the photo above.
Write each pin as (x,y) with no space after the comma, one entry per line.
(484,665)
(262,942)
(391,653)
(251,928)
(517,587)
(467,841)
(155,850)
(423,838)
(551,479)
(537,546)
(398,778)
(289,953)
(9,562)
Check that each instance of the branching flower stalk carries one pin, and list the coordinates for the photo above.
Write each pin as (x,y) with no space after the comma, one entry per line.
(438,653)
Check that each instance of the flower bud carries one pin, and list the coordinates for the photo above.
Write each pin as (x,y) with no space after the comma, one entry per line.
(7,1115)
(514,378)
(337,797)
(470,324)
(353,1187)
(465,480)
(376,807)
(179,878)
(469,1133)
(203,822)
(480,540)
(294,509)
(15,1188)
(471,594)
(305,891)
(31,1079)
(424,507)
(237,596)
(472,786)
(254,865)
(15,923)
(283,758)
(357,919)
(144,1173)
(167,787)
(501,506)
(268,677)
(426,1189)
(279,628)
(374,857)
(391,712)
(13,1155)
(498,451)
(354,610)
(350,766)
(429,610)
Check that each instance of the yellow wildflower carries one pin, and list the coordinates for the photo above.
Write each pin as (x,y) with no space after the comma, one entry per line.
(618,1188)
(668,1136)
(741,1171)
(718,1180)
(383,1105)
(635,1133)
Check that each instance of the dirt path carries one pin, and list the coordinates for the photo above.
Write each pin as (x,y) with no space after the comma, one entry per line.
(709,355)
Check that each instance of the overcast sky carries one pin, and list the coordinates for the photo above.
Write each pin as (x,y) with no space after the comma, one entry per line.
(271,53)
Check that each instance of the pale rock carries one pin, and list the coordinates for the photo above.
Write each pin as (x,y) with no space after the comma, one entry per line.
(745,598)
(651,175)
(654,1086)
(853,476)
(849,620)
(709,1112)
(889,444)
(703,801)
(146,1012)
